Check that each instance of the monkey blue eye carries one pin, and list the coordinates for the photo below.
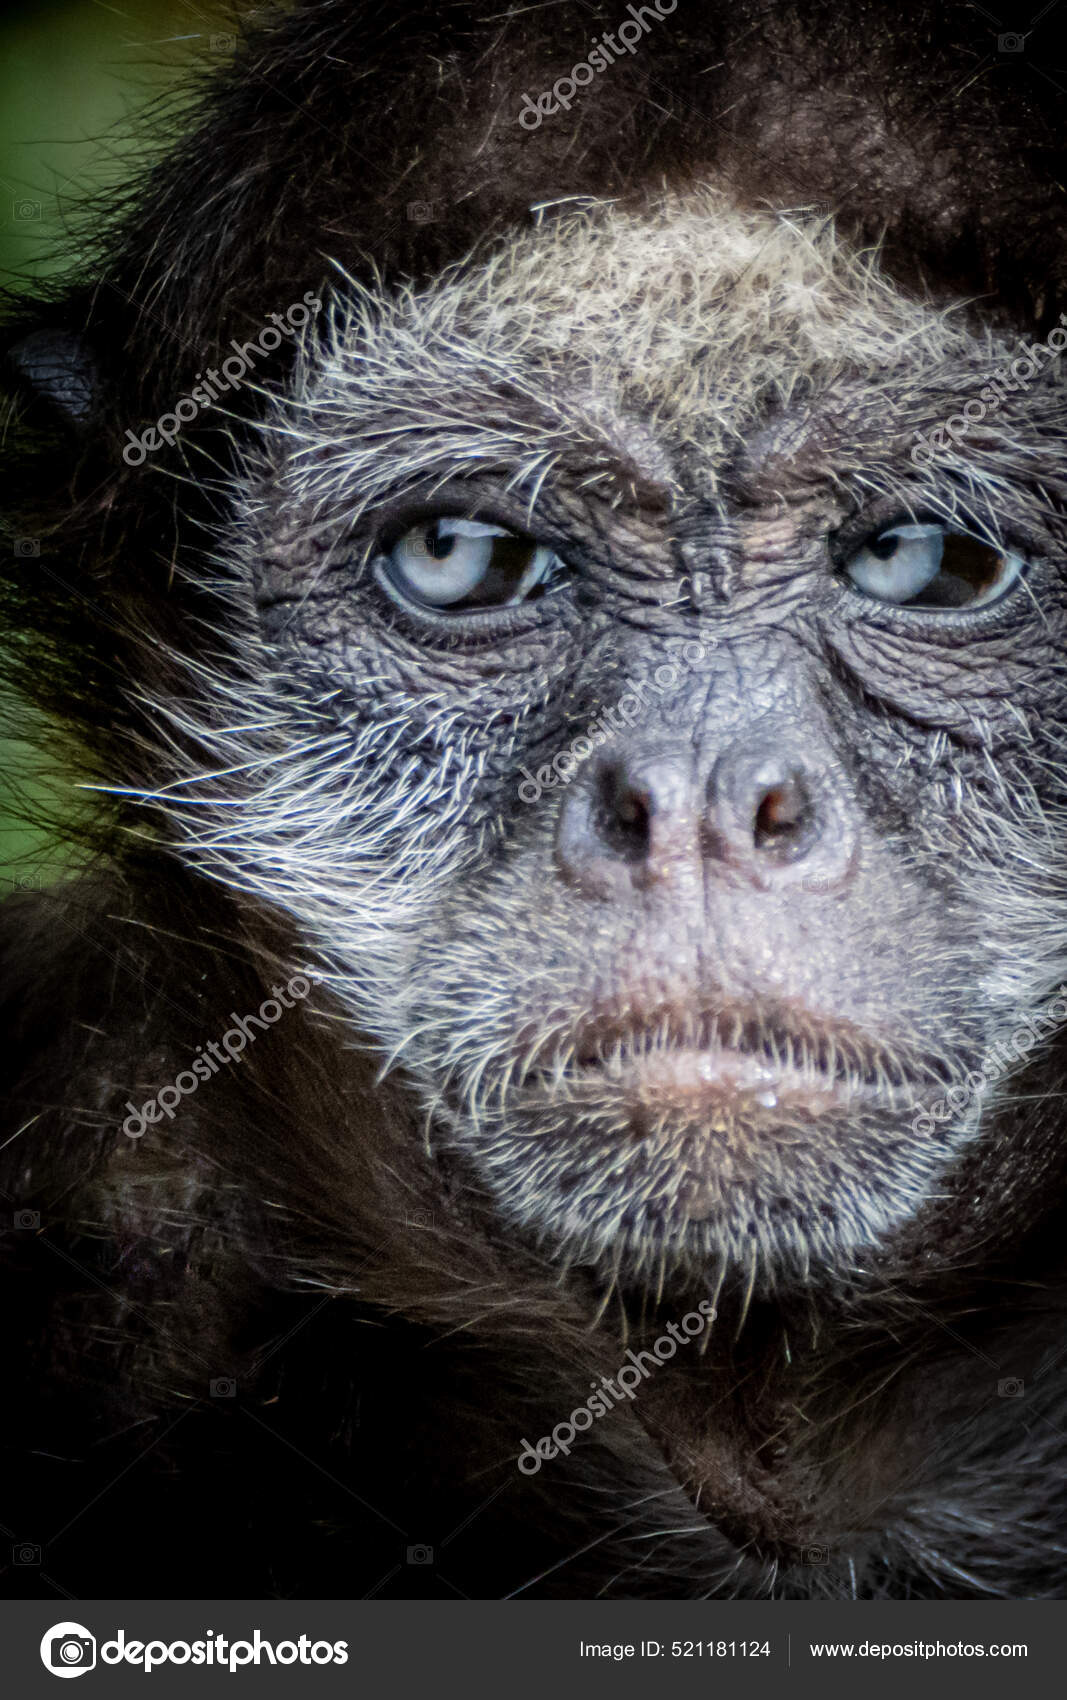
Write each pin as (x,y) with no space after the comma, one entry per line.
(929,566)
(458,564)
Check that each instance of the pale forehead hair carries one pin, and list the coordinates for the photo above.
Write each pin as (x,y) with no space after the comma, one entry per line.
(678,322)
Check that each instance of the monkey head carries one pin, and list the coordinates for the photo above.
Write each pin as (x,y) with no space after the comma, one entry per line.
(645,725)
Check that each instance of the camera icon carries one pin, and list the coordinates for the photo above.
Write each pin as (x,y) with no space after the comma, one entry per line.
(420,1555)
(816,1555)
(223,43)
(1011,1387)
(422,212)
(817,883)
(27,548)
(1011,42)
(68,1649)
(25,1553)
(26,212)
(223,1387)
(30,1219)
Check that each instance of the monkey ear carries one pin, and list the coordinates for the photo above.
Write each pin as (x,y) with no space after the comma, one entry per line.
(57,372)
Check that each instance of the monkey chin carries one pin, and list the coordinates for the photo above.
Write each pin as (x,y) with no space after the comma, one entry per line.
(680,1167)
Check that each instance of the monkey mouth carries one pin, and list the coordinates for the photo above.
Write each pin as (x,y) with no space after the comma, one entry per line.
(696,1079)
(768,1063)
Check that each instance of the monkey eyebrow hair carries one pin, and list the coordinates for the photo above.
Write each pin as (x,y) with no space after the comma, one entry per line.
(390,413)
(401,385)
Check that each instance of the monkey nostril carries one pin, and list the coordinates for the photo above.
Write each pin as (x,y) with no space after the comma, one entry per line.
(778,814)
(629,821)
(625,812)
(783,816)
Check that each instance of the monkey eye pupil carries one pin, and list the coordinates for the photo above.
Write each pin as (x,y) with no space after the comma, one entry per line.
(455,565)
(439,547)
(932,567)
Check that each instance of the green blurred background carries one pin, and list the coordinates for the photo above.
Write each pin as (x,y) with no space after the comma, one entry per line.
(74,80)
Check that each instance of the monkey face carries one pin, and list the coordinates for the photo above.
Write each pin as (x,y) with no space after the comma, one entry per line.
(636,721)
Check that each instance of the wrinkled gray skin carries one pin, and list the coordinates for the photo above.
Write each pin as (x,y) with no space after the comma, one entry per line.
(704,458)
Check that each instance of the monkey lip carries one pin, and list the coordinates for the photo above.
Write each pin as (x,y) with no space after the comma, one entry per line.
(770,1061)
(729,1079)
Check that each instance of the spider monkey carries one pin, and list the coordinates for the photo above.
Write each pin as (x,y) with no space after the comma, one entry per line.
(542,1074)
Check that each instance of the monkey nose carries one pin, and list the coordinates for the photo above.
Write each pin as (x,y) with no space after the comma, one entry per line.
(767,813)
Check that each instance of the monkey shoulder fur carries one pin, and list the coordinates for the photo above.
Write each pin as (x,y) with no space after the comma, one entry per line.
(544,593)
